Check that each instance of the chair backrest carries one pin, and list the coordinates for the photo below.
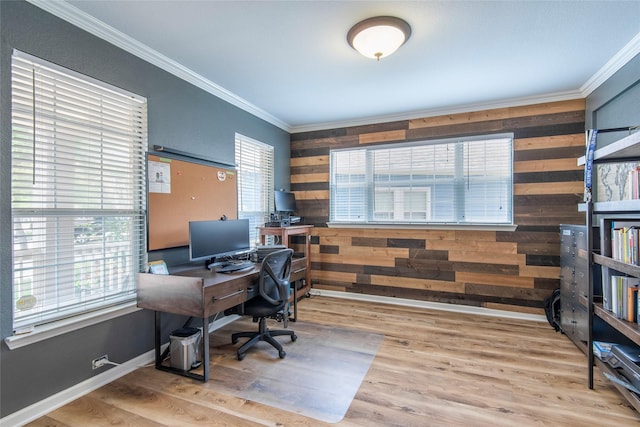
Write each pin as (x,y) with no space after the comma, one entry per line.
(274,277)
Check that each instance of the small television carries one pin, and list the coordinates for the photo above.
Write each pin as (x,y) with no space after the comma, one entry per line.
(285,201)
(216,240)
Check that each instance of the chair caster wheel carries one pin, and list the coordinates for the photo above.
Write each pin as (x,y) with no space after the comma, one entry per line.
(282,354)
(240,356)
(294,337)
(234,340)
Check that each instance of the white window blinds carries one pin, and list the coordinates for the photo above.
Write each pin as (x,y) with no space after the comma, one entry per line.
(77,192)
(466,181)
(255,182)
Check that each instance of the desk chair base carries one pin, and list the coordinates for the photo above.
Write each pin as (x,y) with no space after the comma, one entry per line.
(263,334)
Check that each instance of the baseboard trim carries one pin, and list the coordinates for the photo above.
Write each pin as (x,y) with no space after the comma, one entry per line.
(43,407)
(458,308)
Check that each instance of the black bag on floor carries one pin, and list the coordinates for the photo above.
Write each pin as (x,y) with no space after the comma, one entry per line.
(552,310)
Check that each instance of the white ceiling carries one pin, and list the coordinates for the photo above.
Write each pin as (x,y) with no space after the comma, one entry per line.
(289,62)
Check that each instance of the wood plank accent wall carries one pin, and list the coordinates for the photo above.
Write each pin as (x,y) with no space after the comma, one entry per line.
(496,269)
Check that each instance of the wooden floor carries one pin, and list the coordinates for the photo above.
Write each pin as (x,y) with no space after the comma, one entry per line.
(434,368)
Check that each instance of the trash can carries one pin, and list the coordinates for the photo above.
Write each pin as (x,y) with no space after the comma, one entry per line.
(184,348)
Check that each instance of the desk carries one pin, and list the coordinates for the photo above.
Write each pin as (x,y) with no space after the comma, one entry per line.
(199,293)
(296,274)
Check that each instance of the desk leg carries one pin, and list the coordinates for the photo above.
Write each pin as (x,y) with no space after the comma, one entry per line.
(307,245)
(205,352)
(158,344)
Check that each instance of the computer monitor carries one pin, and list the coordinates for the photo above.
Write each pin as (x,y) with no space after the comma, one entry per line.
(285,201)
(217,240)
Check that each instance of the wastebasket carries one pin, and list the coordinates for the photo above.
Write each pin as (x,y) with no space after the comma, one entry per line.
(184,348)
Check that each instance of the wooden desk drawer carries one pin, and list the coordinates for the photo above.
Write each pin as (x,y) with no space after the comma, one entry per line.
(298,275)
(298,269)
(222,296)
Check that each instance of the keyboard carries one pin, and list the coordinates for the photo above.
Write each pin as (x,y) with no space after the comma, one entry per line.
(235,266)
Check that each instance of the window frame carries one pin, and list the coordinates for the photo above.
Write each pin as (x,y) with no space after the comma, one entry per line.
(366,183)
(263,188)
(67,201)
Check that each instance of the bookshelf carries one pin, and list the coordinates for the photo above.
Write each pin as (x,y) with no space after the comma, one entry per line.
(601,218)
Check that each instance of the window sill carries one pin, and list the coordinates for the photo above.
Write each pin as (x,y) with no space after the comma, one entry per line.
(54,329)
(466,227)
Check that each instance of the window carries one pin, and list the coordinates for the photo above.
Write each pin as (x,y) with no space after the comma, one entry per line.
(255,182)
(463,181)
(77,192)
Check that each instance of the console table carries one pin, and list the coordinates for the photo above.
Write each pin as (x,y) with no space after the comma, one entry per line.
(297,271)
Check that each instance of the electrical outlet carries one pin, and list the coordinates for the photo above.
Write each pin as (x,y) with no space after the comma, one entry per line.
(99,362)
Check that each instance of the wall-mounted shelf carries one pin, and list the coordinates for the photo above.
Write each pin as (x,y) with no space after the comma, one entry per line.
(630,269)
(627,148)
(619,206)
(630,330)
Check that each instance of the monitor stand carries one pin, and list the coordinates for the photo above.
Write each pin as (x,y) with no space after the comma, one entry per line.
(213,263)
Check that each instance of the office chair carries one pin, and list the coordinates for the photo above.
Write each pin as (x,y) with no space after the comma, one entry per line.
(272,301)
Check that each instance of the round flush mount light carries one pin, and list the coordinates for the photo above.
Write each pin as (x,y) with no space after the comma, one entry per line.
(379,37)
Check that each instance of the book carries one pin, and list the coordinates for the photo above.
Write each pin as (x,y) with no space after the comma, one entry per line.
(606,289)
(624,297)
(158,267)
(638,308)
(632,302)
(602,350)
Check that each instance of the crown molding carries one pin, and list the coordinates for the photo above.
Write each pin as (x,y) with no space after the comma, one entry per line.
(620,59)
(96,27)
(467,108)
(75,16)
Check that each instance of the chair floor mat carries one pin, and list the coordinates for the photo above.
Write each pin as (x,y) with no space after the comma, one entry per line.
(318,378)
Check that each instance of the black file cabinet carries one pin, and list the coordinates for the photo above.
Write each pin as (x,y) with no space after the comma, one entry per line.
(574,283)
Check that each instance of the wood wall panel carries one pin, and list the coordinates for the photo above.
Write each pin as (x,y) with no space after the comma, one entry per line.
(499,113)
(547,142)
(388,136)
(410,283)
(513,270)
(545,165)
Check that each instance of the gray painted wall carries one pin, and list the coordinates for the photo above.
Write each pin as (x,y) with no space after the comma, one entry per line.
(180,116)
(616,103)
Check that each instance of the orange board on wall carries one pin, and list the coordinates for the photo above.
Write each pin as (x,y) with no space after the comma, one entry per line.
(181,191)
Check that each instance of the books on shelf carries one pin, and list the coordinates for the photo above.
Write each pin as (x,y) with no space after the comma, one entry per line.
(625,238)
(620,292)
(633,184)
(622,297)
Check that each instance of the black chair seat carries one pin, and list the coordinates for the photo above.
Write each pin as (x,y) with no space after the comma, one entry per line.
(258,307)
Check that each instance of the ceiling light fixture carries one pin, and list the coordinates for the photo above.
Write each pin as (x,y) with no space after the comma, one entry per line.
(378,37)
